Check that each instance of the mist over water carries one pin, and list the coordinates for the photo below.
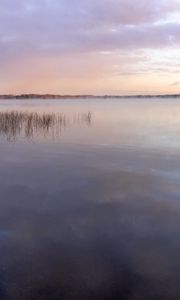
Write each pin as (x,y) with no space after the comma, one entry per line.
(89,199)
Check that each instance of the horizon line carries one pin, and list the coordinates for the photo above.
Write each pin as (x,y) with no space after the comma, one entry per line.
(46,95)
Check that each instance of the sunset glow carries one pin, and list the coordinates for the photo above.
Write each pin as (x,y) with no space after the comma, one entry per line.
(90,47)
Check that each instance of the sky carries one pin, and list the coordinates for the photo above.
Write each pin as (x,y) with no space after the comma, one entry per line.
(90,47)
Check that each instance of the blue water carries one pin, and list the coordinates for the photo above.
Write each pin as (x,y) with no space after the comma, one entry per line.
(91,209)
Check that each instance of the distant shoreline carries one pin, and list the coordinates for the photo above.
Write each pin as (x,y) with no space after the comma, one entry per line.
(52,96)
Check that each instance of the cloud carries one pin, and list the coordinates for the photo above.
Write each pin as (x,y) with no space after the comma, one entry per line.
(48,30)
(175,83)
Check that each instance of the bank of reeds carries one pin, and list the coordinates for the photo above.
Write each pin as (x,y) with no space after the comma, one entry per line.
(16,123)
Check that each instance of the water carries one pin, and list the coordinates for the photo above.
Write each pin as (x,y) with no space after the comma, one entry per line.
(89,200)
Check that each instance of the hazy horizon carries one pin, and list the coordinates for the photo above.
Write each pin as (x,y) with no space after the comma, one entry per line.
(41,95)
(87,47)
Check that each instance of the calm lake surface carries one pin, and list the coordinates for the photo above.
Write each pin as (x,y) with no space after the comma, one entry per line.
(90,199)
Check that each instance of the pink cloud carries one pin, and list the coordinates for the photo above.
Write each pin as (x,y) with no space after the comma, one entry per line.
(53,29)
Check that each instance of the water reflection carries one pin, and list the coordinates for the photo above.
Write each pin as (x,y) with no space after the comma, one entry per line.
(90,217)
(27,124)
(108,240)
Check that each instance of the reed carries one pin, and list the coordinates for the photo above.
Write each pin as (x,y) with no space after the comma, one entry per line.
(16,123)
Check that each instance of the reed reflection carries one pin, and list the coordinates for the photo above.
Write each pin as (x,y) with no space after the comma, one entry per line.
(27,124)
